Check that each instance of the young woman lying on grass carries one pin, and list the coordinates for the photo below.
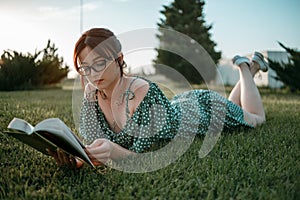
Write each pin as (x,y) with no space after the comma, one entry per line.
(115,106)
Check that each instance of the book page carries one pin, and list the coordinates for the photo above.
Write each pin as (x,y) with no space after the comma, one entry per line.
(58,127)
(57,132)
(21,125)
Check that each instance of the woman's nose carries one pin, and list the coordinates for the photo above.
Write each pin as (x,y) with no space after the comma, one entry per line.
(95,74)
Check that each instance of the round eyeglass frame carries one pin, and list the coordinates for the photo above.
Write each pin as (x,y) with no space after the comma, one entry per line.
(86,70)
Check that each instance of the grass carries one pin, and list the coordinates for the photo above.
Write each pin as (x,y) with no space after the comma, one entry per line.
(263,163)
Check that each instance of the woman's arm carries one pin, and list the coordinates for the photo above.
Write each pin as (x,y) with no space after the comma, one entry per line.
(100,151)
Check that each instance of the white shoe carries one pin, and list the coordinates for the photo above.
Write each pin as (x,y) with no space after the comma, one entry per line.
(259,59)
(238,60)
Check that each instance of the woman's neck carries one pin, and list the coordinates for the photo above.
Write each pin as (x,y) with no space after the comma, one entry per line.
(114,87)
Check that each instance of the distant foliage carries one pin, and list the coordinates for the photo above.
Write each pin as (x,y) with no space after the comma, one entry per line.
(20,71)
(187,17)
(16,70)
(288,73)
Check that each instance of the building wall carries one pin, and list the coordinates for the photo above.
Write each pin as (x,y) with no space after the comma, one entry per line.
(227,73)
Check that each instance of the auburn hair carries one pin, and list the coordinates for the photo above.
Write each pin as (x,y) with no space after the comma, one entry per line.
(104,42)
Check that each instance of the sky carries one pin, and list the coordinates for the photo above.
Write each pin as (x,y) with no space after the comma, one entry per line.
(238,26)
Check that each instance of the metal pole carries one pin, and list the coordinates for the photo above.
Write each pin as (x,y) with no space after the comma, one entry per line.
(81,16)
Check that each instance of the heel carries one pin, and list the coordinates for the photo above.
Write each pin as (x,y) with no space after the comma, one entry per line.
(259,59)
(238,60)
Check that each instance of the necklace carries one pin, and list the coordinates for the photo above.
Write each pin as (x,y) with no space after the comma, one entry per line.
(102,94)
(112,125)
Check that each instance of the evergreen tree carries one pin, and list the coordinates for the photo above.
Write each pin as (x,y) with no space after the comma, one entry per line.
(288,73)
(187,17)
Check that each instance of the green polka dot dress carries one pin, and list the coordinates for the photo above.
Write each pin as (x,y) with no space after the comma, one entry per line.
(158,119)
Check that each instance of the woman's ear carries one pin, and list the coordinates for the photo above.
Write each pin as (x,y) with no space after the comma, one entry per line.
(121,56)
(120,60)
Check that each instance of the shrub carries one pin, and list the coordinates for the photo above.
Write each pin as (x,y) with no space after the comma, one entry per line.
(20,71)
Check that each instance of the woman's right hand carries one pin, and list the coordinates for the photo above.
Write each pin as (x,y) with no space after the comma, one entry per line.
(65,160)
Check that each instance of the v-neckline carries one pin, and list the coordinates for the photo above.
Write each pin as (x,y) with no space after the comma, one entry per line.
(128,119)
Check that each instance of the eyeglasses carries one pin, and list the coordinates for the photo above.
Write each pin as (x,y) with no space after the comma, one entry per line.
(97,66)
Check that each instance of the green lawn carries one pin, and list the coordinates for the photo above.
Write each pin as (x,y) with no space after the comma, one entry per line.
(263,163)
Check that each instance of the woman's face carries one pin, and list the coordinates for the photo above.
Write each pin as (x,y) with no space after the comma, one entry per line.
(103,72)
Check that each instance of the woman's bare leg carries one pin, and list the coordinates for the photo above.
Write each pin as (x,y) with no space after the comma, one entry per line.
(250,99)
(235,94)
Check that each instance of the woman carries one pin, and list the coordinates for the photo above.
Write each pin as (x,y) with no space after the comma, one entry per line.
(123,115)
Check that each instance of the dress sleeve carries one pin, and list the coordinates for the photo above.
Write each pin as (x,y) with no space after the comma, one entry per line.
(89,125)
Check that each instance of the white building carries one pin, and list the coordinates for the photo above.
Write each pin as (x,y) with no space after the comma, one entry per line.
(229,75)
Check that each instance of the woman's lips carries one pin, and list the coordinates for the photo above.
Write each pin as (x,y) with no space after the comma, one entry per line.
(98,81)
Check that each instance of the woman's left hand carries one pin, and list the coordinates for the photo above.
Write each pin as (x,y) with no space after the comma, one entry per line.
(65,160)
(100,151)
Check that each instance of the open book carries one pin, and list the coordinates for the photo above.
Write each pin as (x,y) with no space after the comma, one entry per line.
(49,134)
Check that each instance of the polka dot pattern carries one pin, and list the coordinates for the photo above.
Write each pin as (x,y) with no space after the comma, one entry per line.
(159,119)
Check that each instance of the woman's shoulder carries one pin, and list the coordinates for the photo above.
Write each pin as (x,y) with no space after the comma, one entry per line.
(145,92)
(141,86)
(137,82)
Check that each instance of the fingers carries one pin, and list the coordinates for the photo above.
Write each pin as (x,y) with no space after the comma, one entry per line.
(66,160)
(55,156)
(96,143)
(99,159)
(96,155)
(79,163)
(63,159)
(73,162)
(99,151)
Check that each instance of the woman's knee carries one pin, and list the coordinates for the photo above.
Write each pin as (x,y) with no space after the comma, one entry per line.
(254,119)
(260,120)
